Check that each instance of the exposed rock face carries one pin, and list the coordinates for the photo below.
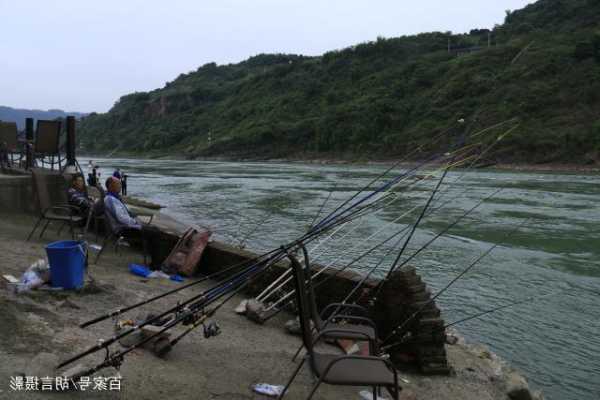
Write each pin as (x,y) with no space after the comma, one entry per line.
(517,387)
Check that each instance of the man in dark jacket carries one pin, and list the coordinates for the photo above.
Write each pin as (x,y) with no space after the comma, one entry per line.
(78,197)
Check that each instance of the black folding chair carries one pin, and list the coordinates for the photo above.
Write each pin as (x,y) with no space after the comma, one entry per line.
(336,369)
(61,211)
(338,320)
(46,147)
(9,143)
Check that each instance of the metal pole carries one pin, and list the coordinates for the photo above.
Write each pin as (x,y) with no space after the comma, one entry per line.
(71,140)
(28,143)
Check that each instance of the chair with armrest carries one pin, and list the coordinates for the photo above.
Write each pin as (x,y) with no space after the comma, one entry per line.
(60,211)
(335,369)
(340,320)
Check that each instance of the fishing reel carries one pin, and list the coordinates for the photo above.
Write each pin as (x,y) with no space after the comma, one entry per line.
(211,329)
(186,315)
(112,360)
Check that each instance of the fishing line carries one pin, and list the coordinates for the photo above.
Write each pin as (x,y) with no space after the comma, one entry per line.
(415,225)
(358,285)
(349,264)
(218,289)
(289,270)
(322,206)
(406,340)
(384,173)
(287,295)
(246,274)
(398,329)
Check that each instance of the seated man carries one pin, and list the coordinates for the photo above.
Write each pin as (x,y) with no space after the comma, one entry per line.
(124,223)
(78,197)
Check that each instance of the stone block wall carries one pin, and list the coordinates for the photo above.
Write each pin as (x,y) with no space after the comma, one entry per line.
(404,294)
(423,337)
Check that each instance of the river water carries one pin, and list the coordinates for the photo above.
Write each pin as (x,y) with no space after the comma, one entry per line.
(555,254)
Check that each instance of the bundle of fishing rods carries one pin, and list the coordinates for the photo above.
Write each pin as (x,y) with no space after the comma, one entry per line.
(379,193)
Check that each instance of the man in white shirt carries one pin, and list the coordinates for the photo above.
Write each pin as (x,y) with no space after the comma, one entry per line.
(123,223)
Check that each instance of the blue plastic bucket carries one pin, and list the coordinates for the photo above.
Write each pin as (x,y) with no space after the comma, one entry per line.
(67,263)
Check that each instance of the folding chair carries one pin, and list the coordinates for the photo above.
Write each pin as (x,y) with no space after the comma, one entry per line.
(9,144)
(112,234)
(336,369)
(61,211)
(355,327)
(47,143)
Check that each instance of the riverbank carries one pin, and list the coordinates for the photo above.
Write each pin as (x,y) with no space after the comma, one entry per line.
(46,330)
(514,167)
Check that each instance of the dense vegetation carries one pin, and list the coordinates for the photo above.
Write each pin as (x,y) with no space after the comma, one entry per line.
(379,99)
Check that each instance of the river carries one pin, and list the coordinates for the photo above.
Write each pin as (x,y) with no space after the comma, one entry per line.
(554,340)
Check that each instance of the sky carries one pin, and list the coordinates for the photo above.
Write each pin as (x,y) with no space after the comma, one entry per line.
(82,55)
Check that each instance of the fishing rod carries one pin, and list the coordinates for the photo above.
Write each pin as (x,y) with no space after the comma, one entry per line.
(371,271)
(473,163)
(323,269)
(167,293)
(324,225)
(287,271)
(393,166)
(258,225)
(278,284)
(405,340)
(221,287)
(354,205)
(413,228)
(247,274)
(498,308)
(162,295)
(358,285)
(415,225)
(188,316)
(136,328)
(340,270)
(398,329)
(387,185)
(321,208)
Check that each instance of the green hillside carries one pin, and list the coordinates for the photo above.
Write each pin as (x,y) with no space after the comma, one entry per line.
(379,99)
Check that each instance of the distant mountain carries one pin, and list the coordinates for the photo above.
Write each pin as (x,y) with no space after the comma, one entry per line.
(381,99)
(18,115)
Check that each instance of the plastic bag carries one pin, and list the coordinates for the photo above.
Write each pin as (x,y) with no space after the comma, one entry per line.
(267,389)
(368,395)
(143,271)
(35,276)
